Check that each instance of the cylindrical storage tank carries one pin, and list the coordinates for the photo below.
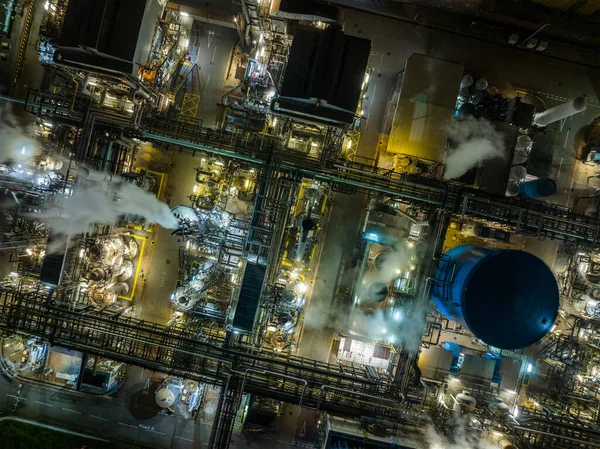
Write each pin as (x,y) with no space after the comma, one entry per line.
(560,112)
(538,188)
(465,403)
(512,189)
(507,298)
(517,172)
(523,142)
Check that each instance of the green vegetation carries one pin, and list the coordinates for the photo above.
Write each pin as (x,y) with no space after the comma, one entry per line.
(17,435)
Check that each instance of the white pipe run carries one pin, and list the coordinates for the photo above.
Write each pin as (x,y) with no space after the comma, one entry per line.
(560,112)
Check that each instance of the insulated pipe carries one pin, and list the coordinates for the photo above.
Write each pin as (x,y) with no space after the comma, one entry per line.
(285,376)
(560,112)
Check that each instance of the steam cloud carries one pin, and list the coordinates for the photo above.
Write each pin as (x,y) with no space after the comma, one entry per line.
(477,141)
(461,438)
(15,147)
(104,202)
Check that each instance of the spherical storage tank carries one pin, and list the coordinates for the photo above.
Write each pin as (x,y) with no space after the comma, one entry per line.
(509,299)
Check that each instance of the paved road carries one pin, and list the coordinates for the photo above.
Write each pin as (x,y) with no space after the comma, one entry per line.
(162,272)
(215,45)
(131,415)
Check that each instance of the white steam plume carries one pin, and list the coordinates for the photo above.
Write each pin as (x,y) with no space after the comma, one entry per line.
(15,146)
(477,141)
(104,202)
(406,325)
(462,438)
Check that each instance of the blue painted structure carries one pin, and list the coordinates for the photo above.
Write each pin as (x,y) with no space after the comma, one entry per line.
(507,298)
(538,188)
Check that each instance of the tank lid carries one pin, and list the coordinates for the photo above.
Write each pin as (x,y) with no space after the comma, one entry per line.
(511,299)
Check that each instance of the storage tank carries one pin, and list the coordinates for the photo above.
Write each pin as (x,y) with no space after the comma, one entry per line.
(507,298)
(538,188)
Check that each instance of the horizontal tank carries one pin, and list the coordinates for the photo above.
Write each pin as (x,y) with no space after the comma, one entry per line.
(509,299)
(538,188)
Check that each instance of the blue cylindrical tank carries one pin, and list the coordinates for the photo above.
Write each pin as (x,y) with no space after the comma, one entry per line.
(507,298)
(538,188)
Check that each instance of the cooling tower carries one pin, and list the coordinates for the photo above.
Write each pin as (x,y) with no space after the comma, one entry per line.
(509,299)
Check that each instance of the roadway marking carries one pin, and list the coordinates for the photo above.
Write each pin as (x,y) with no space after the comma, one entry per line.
(128,425)
(16,397)
(156,431)
(99,417)
(184,439)
(43,403)
(72,411)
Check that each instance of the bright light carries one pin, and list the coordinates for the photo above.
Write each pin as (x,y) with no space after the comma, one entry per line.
(553,327)
(23,150)
(411,244)
(366,78)
(185,43)
(516,411)
(262,52)
(529,367)
(349,144)
(235,19)
(184,14)
(412,267)
(398,271)
(81,252)
(391,339)
(511,391)
(314,144)
(302,287)
(219,163)
(29,251)
(46,5)
(362,112)
(274,121)
(271,328)
(260,39)
(498,434)
(130,111)
(246,183)
(454,379)
(195,189)
(397,315)
(187,244)
(384,330)
(91,83)
(48,125)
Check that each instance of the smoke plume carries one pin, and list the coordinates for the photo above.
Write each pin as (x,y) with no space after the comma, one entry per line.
(104,202)
(15,147)
(477,141)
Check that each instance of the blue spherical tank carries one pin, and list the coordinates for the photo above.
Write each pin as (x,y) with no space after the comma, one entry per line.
(509,299)
(538,188)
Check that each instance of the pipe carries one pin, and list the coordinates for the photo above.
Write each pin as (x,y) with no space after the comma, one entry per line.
(553,435)
(285,376)
(329,387)
(560,112)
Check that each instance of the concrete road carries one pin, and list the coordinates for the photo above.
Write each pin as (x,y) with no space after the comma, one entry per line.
(162,272)
(130,415)
(214,50)
(326,310)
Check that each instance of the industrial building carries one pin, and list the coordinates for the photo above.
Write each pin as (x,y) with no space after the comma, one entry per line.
(286,263)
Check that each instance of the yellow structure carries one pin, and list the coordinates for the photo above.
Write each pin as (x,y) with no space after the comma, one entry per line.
(425,107)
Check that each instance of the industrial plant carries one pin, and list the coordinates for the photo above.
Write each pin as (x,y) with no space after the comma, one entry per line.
(267,223)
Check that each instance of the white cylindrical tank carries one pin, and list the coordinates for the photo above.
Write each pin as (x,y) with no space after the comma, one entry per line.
(168,393)
(512,189)
(520,157)
(523,142)
(517,173)
(465,403)
(560,112)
